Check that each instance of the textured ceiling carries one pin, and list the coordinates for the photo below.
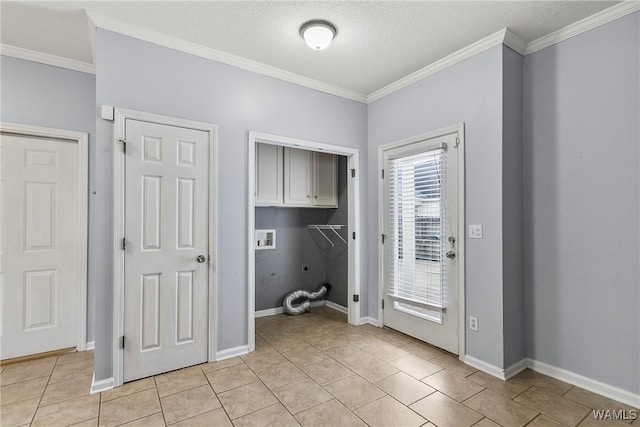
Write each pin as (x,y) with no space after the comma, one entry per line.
(377,42)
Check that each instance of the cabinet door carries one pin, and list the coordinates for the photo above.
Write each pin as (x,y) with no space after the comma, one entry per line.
(325,180)
(297,177)
(269,183)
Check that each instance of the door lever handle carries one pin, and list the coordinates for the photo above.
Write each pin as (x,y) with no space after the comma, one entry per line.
(450,254)
(201,258)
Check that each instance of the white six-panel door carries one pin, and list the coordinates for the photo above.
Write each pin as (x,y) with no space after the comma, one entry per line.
(41,266)
(166,249)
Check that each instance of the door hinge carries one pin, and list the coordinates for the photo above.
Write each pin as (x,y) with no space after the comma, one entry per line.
(353,173)
(124,145)
(356,298)
(383,304)
(124,244)
(122,342)
(353,235)
(382,237)
(382,173)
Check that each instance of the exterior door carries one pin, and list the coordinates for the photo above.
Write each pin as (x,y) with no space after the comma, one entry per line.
(166,248)
(42,264)
(420,220)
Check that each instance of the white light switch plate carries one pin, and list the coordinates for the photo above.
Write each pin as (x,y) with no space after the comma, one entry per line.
(475,231)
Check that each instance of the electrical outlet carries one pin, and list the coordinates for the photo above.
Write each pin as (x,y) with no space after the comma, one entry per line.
(473,323)
(475,231)
(305,268)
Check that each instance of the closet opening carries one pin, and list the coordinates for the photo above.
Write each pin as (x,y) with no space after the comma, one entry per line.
(303,229)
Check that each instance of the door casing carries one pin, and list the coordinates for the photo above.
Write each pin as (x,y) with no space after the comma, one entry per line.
(461,244)
(121,115)
(82,139)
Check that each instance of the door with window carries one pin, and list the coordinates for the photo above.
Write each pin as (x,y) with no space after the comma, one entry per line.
(420,240)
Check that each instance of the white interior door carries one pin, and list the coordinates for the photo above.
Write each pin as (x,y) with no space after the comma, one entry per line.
(420,220)
(166,250)
(40,262)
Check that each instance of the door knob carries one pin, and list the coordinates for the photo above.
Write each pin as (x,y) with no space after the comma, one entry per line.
(450,254)
(201,258)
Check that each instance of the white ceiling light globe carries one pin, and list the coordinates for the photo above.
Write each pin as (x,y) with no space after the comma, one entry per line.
(318,34)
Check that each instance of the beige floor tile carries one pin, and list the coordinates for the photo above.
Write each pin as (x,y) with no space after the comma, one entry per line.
(129,408)
(326,371)
(303,356)
(503,388)
(364,340)
(331,413)
(346,354)
(595,401)
(486,422)
(388,412)
(231,377)
(262,358)
(503,411)
(301,395)
(288,344)
(542,421)
(395,337)
(20,391)
(453,385)
(189,403)
(68,412)
(19,413)
(542,382)
(155,420)
(93,422)
(445,412)
(404,388)
(246,399)
(128,388)
(591,421)
(354,391)
(415,366)
(386,351)
(559,408)
(216,418)
(65,390)
(372,368)
(423,350)
(274,376)
(324,342)
(75,356)
(72,371)
(25,371)
(181,380)
(275,415)
(214,366)
(454,365)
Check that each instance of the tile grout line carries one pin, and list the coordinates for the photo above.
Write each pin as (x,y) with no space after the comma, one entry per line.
(33,417)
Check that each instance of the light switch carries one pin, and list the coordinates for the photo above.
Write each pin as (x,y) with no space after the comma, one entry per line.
(475,231)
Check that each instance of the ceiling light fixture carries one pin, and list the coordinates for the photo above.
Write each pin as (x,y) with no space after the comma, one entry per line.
(318,34)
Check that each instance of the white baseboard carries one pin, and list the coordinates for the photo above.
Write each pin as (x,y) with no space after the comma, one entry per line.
(102,385)
(484,367)
(338,307)
(515,369)
(91,345)
(586,383)
(279,310)
(370,321)
(232,352)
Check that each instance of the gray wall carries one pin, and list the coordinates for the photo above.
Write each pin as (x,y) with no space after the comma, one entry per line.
(41,95)
(469,92)
(581,169)
(512,268)
(337,257)
(143,76)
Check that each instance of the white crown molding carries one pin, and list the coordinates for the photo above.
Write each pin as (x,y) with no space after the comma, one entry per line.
(614,12)
(514,41)
(45,58)
(171,42)
(441,64)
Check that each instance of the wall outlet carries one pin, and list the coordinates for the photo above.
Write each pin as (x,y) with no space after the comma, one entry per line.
(473,323)
(475,231)
(305,268)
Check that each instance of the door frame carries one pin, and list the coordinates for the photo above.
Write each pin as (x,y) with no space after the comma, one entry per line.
(461,243)
(353,223)
(119,182)
(82,139)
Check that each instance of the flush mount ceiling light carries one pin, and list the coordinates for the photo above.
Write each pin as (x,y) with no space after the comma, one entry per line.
(318,34)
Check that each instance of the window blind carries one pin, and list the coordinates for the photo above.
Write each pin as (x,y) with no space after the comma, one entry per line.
(416,228)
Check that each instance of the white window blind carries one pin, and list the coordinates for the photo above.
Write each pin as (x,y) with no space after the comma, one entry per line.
(416,228)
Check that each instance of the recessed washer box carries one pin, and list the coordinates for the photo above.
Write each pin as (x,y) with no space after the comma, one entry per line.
(265,239)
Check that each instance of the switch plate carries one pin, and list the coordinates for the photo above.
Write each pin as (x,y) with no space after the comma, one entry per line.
(473,323)
(475,231)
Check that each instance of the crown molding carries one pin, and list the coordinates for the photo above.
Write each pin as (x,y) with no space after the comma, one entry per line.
(110,24)
(444,63)
(614,12)
(45,58)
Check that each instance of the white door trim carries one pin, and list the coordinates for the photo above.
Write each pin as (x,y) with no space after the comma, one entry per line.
(354,248)
(461,243)
(119,222)
(82,139)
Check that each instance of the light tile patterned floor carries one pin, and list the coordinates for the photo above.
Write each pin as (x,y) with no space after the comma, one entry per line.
(313,370)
